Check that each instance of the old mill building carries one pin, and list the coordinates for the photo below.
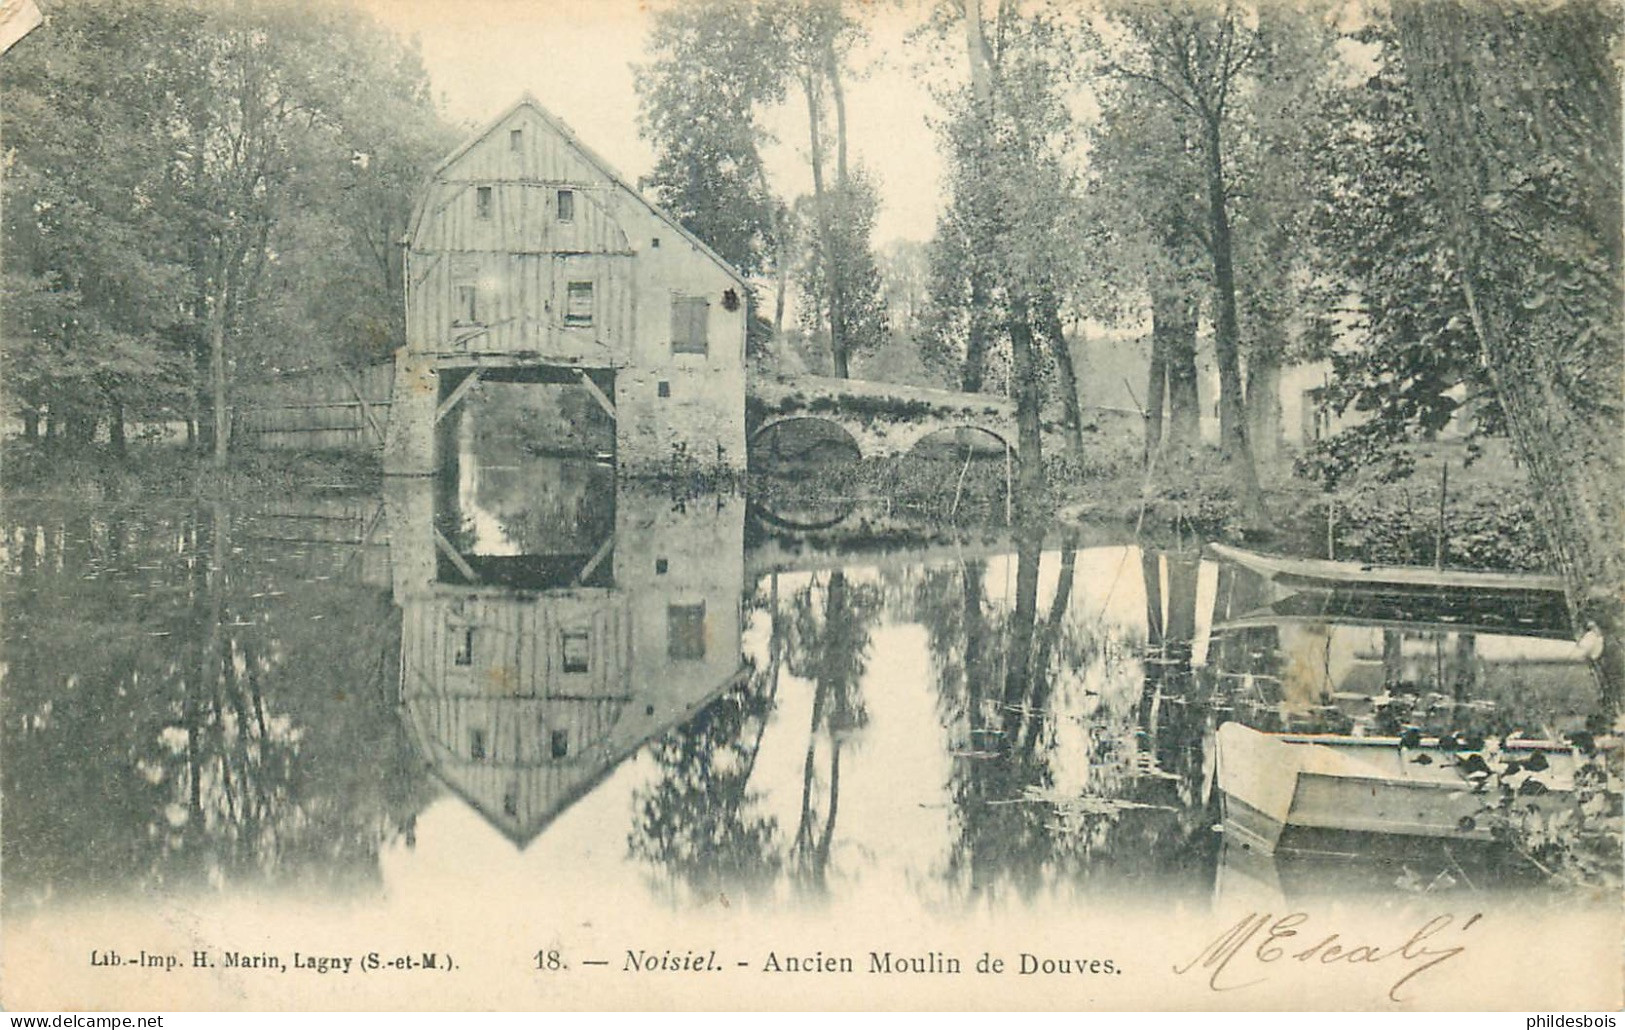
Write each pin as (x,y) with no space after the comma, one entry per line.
(529,260)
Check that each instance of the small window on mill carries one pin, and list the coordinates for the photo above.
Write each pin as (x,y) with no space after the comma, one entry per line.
(685,631)
(567,205)
(578,304)
(482,201)
(516,140)
(577,648)
(559,743)
(690,317)
(467,311)
(464,651)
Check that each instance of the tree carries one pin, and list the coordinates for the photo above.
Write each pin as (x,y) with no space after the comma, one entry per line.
(233,175)
(1519,109)
(1194,57)
(1274,167)
(715,66)
(91,270)
(1012,217)
(1145,193)
(842,279)
(1378,246)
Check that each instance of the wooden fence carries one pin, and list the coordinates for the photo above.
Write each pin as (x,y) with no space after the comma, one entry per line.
(339,537)
(325,409)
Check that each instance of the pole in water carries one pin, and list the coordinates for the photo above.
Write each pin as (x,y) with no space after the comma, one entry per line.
(1444,490)
(1331,527)
(1009,498)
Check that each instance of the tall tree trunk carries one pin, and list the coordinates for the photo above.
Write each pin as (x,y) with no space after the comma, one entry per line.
(1024,388)
(115,427)
(974,372)
(1264,401)
(217,379)
(1049,316)
(1227,333)
(837,93)
(812,85)
(781,246)
(1571,454)
(197,430)
(981,286)
(1173,334)
(981,75)
(835,264)
(1156,387)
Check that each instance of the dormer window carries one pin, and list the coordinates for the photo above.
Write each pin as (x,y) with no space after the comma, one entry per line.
(567,205)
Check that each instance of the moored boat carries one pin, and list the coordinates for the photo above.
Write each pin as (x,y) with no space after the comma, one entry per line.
(1276,783)
(1324,573)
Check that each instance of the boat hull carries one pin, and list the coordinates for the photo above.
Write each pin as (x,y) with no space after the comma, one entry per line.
(1273,784)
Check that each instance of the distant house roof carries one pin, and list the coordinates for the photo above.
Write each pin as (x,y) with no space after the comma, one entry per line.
(603,167)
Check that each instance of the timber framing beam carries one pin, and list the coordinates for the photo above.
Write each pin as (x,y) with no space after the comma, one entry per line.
(452,555)
(457,394)
(597,394)
(597,559)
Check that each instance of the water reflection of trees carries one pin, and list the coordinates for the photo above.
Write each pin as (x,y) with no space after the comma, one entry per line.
(182,710)
(1066,769)
(699,820)
(1075,736)
(829,632)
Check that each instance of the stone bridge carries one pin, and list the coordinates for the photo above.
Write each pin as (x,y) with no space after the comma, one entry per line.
(880,419)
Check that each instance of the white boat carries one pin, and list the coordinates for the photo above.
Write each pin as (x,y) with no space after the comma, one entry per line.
(1274,783)
(1322,573)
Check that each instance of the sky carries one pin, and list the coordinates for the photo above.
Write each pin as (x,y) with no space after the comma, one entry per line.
(576,57)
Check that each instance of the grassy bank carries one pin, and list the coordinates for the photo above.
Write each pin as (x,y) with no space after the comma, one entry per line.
(1487,520)
(1488,515)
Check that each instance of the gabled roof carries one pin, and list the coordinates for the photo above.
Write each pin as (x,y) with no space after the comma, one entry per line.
(590,156)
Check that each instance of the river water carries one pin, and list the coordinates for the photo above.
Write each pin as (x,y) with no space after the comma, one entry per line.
(526,666)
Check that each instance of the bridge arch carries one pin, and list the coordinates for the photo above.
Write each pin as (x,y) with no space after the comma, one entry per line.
(999,436)
(818,436)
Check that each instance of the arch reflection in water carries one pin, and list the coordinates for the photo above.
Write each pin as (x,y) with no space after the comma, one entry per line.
(527,676)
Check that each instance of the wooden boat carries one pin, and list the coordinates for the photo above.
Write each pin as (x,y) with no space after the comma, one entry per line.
(1540,615)
(1275,784)
(1319,572)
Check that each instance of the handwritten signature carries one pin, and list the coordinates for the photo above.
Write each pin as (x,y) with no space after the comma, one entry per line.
(1263,938)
